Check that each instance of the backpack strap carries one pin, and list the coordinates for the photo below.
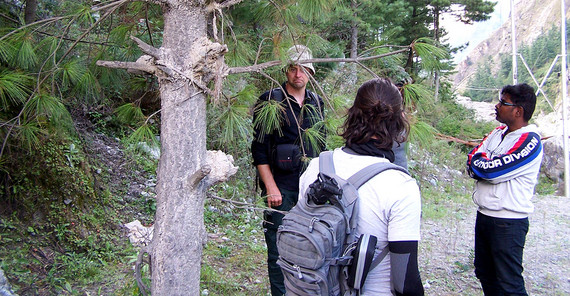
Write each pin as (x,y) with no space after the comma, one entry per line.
(379,258)
(277,95)
(326,163)
(357,180)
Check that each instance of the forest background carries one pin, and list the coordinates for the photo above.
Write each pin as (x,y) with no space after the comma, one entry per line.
(81,141)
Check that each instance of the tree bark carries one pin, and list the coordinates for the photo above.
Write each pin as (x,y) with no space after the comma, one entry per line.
(179,232)
(30,11)
(436,37)
(354,31)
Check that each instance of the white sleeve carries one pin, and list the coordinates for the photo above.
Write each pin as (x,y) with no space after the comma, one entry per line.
(405,212)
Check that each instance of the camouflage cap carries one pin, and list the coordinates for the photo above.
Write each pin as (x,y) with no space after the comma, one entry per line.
(301,52)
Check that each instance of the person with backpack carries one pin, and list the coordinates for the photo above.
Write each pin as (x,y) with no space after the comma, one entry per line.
(389,205)
(278,154)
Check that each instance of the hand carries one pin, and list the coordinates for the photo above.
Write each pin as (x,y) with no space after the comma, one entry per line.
(274,199)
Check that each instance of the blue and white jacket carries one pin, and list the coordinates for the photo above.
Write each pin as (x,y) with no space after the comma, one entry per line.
(506,170)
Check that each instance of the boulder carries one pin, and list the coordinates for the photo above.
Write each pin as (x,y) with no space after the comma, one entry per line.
(5,289)
(553,161)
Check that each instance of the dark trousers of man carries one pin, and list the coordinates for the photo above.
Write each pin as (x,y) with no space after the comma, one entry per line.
(499,245)
(270,225)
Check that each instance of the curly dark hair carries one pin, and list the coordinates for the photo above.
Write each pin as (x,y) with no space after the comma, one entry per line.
(377,113)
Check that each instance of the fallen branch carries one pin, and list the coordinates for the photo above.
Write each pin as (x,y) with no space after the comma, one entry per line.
(138,266)
(467,142)
(454,139)
(258,67)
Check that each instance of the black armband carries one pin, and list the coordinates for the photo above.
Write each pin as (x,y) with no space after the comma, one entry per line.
(405,275)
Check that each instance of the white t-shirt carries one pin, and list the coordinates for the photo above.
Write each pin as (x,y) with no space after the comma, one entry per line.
(389,205)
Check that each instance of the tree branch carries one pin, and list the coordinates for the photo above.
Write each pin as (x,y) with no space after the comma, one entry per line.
(456,140)
(138,266)
(80,41)
(259,67)
(47,21)
(227,3)
(244,205)
(198,176)
(107,14)
(128,65)
(148,49)
(253,68)
(104,6)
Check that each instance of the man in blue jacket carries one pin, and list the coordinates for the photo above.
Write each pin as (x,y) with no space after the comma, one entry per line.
(506,166)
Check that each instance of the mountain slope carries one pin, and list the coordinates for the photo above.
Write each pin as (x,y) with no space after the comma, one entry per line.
(533,17)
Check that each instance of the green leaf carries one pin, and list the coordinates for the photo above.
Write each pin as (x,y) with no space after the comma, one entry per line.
(235,126)
(313,136)
(14,88)
(6,50)
(314,8)
(29,134)
(130,114)
(70,73)
(88,88)
(145,134)
(120,34)
(421,132)
(25,57)
(431,56)
(269,117)
(416,95)
(42,105)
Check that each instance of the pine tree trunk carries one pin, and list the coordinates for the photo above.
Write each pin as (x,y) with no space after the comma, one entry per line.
(353,77)
(354,32)
(179,229)
(436,37)
(30,11)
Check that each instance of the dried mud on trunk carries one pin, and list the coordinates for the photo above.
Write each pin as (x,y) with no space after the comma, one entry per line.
(446,251)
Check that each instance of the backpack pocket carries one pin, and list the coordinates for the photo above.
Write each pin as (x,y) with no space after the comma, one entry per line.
(300,281)
(304,242)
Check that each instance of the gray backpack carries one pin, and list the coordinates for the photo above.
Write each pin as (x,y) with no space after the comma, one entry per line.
(319,253)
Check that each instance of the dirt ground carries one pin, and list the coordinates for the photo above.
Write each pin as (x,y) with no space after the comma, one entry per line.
(446,251)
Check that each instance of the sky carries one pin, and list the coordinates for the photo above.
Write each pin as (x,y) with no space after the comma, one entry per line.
(459,33)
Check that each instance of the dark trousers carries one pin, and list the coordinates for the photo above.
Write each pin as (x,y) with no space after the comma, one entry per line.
(270,225)
(499,245)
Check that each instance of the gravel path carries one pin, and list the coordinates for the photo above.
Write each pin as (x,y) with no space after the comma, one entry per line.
(446,251)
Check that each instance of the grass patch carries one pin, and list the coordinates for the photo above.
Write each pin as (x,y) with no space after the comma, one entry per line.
(234,259)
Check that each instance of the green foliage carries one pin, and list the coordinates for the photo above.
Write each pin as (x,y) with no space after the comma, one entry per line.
(30,135)
(45,107)
(130,114)
(484,86)
(235,255)
(421,133)
(431,55)
(546,186)
(144,133)
(25,56)
(46,174)
(235,125)
(269,117)
(14,88)
(314,136)
(539,56)
(452,119)
(62,234)
(417,96)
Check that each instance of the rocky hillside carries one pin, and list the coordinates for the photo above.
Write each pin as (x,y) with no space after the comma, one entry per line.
(532,18)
